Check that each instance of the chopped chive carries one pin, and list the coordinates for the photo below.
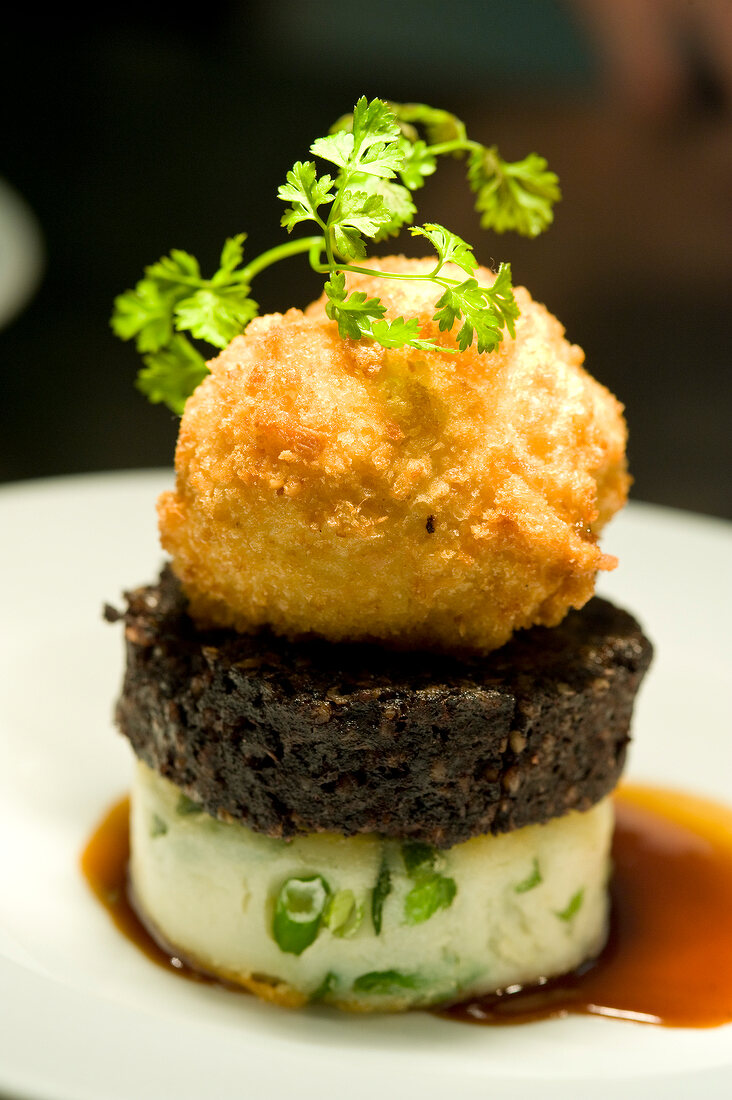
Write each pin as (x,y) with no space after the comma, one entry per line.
(328,984)
(379,894)
(186,806)
(386,981)
(532,879)
(430,893)
(419,858)
(574,906)
(341,915)
(157,826)
(339,908)
(299,912)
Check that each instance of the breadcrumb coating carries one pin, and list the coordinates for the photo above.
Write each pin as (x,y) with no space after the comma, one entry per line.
(414,498)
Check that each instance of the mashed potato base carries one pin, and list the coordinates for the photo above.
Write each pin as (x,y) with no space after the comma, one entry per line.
(525,905)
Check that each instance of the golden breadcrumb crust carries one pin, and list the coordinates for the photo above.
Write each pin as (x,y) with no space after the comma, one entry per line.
(414,498)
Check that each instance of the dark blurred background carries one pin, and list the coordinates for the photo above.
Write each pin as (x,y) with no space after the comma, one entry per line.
(133,131)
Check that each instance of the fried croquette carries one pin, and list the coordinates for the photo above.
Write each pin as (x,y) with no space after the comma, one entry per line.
(415,498)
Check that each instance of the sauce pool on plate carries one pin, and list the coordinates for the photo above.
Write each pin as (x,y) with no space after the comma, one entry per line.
(669,955)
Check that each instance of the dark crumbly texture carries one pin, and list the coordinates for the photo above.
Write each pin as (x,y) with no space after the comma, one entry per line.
(293,738)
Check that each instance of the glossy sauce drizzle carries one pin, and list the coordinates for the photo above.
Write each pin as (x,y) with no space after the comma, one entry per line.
(669,957)
(104,863)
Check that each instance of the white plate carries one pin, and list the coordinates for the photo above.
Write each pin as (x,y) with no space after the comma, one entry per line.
(84,1015)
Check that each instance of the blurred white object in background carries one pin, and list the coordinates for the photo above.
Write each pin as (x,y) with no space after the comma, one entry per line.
(21,253)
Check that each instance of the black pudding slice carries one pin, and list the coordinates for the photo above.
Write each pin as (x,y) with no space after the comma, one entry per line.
(292,738)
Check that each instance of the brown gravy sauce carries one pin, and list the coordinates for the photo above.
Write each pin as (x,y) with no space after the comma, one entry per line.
(669,956)
(104,864)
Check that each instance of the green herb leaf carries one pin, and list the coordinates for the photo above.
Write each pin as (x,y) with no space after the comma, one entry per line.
(232,255)
(485,311)
(369,146)
(398,208)
(518,196)
(386,981)
(502,300)
(386,125)
(449,247)
(348,244)
(216,315)
(430,893)
(379,894)
(306,193)
(381,160)
(401,333)
(337,148)
(363,211)
(144,314)
(373,122)
(359,212)
(532,879)
(353,314)
(358,316)
(573,907)
(375,132)
(418,163)
(298,913)
(174,269)
(170,376)
(173,296)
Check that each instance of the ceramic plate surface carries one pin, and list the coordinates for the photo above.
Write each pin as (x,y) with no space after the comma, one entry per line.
(85,1016)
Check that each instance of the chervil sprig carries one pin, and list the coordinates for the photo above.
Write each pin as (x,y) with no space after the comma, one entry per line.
(449,247)
(171,374)
(307,194)
(358,316)
(378,156)
(484,311)
(516,196)
(174,298)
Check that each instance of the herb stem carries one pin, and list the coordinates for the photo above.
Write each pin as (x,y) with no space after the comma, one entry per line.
(458,145)
(281,252)
(332,217)
(430,277)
